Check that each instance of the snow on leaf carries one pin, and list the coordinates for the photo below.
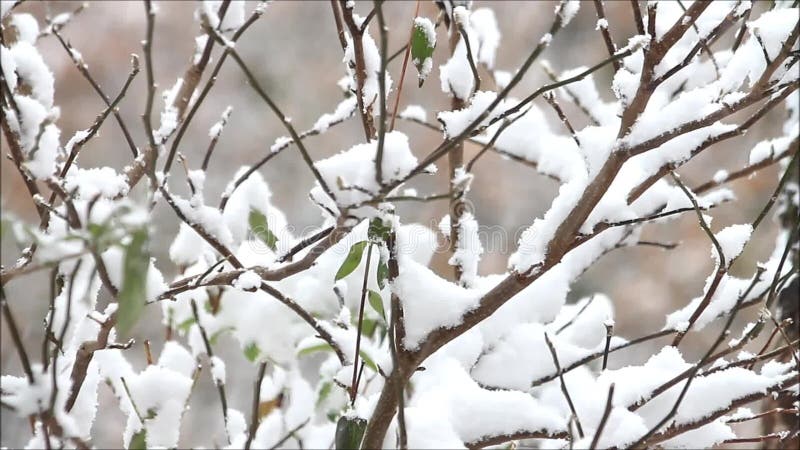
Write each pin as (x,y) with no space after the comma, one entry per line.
(423,42)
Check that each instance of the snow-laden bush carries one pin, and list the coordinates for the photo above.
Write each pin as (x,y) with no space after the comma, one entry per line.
(404,356)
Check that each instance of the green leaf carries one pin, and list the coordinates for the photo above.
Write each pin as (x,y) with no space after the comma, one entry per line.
(352,260)
(422,46)
(324,347)
(139,440)
(215,337)
(324,391)
(251,352)
(97,230)
(349,432)
(368,327)
(382,274)
(260,227)
(132,296)
(368,361)
(377,231)
(376,302)
(186,324)
(315,348)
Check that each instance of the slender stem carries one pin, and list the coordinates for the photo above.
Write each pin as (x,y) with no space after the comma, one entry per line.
(637,17)
(407,51)
(381,93)
(15,337)
(147,45)
(601,16)
(254,416)
(354,386)
(210,352)
(604,419)
(284,120)
(564,389)
(774,197)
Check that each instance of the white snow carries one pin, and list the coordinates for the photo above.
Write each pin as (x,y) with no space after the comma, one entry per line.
(730,288)
(720,176)
(169,116)
(32,69)
(218,369)
(27,27)
(484,38)
(414,112)
(216,129)
(485,26)
(356,167)
(457,121)
(344,110)
(732,239)
(468,248)
(247,281)
(569,10)
(104,181)
(372,63)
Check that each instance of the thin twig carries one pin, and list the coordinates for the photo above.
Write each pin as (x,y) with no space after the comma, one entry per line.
(722,267)
(147,46)
(210,352)
(84,70)
(381,91)
(609,334)
(604,419)
(354,386)
(305,243)
(564,389)
(254,417)
(602,24)
(15,337)
(551,100)
(257,13)
(283,119)
(790,169)
(407,52)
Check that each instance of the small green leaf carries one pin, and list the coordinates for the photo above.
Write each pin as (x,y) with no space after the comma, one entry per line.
(368,361)
(315,348)
(139,440)
(376,302)
(133,294)
(186,324)
(349,432)
(352,260)
(324,391)
(97,230)
(215,337)
(377,231)
(382,274)
(260,227)
(368,327)
(423,41)
(251,352)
